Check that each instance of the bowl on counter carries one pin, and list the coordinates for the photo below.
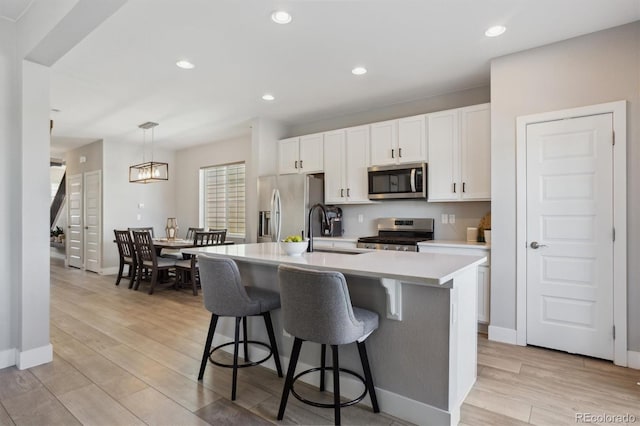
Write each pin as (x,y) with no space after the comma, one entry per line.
(294,248)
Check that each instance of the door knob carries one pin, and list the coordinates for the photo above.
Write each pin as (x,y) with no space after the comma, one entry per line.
(534,245)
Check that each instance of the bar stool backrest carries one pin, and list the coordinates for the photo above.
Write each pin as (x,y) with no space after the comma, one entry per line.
(222,289)
(316,306)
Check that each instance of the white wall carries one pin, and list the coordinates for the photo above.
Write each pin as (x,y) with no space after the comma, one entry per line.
(592,69)
(459,99)
(8,158)
(121,199)
(34,220)
(188,164)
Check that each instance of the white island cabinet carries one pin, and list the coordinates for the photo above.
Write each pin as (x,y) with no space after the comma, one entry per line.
(484,270)
(423,354)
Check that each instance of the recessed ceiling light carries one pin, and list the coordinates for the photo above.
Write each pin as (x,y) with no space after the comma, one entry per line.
(495,31)
(268,97)
(359,71)
(185,65)
(281,17)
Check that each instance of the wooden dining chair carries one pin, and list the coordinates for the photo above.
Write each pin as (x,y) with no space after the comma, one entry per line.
(187,269)
(127,253)
(147,258)
(144,228)
(191,232)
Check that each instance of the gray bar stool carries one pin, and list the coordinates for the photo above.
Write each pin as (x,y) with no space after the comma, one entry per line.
(225,296)
(316,307)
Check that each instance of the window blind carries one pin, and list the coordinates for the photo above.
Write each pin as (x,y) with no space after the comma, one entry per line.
(223,195)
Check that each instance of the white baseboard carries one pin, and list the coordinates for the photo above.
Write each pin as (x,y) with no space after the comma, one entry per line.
(7,358)
(113,270)
(503,335)
(391,403)
(633,359)
(33,357)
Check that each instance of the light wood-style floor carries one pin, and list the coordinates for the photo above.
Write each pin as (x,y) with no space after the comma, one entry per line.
(123,357)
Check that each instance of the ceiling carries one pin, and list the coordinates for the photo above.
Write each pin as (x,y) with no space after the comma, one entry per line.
(12,10)
(124,72)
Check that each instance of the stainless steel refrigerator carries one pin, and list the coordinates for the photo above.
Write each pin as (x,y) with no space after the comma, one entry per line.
(283,205)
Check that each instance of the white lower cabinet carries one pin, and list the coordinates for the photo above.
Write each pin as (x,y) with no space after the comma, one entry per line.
(484,270)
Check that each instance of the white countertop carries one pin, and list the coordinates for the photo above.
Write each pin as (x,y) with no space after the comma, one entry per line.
(454,243)
(345,239)
(417,268)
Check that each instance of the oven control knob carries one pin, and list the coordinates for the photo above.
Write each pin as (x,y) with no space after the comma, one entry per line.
(385,247)
(406,249)
(398,248)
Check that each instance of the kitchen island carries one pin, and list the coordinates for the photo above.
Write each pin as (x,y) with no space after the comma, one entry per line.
(423,355)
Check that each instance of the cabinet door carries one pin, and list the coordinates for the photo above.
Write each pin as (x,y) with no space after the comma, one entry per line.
(411,140)
(357,150)
(334,187)
(443,156)
(311,153)
(288,156)
(484,293)
(475,148)
(384,143)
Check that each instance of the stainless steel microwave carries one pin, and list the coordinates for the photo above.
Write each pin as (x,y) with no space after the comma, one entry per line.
(404,181)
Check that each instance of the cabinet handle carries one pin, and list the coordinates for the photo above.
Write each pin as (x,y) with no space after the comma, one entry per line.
(348,190)
(300,163)
(464,184)
(392,153)
(341,192)
(400,152)
(454,187)
(296,164)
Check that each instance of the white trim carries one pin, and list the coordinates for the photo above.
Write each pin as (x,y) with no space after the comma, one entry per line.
(619,111)
(503,335)
(634,359)
(32,357)
(7,358)
(391,403)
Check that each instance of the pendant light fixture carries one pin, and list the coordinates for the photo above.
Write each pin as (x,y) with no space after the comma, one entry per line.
(148,171)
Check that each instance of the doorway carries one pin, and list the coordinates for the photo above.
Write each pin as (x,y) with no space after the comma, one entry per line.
(571,225)
(85,221)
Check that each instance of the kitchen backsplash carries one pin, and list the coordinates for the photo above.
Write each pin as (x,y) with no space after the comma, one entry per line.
(467,214)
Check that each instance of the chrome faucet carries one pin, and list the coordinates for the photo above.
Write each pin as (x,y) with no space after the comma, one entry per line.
(325,220)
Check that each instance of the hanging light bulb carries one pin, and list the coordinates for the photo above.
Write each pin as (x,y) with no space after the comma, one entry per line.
(148,171)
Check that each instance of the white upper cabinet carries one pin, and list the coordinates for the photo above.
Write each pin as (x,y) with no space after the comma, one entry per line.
(384,142)
(475,139)
(398,141)
(459,152)
(411,140)
(345,172)
(301,155)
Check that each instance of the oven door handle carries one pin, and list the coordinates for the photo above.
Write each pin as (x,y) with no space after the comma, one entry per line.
(413,180)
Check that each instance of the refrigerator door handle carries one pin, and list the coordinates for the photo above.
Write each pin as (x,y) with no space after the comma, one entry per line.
(276,208)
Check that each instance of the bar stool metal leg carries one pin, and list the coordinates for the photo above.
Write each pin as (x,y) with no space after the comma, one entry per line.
(207,345)
(336,384)
(235,359)
(246,339)
(323,363)
(367,376)
(295,353)
(272,341)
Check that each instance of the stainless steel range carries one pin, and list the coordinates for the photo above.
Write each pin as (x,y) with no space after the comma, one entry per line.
(401,234)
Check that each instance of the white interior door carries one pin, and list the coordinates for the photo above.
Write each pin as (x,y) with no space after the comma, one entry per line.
(75,237)
(92,221)
(570,235)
